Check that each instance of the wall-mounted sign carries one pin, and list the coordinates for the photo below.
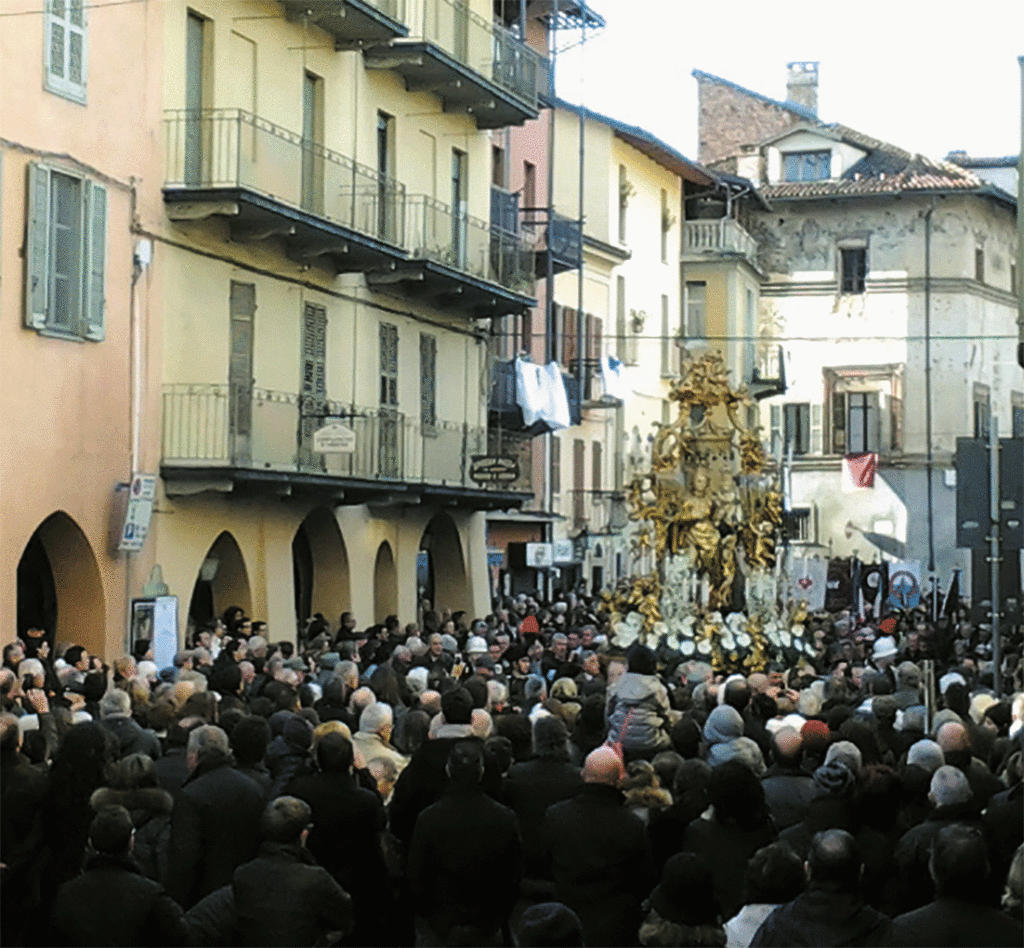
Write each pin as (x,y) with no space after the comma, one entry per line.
(493,469)
(539,555)
(138,512)
(334,439)
(562,551)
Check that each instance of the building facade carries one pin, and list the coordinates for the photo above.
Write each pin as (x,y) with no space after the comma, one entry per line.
(76,311)
(891,289)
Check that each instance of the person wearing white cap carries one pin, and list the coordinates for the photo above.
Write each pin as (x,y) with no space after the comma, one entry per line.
(883,654)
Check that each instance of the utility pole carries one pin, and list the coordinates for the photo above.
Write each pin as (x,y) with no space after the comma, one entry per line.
(993,540)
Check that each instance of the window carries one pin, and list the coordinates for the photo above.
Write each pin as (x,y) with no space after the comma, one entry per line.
(497,166)
(388,365)
(807,166)
(796,432)
(197,87)
(313,383)
(529,184)
(800,525)
(428,381)
(312,143)
(65,54)
(387,204)
(556,465)
(979,264)
(696,316)
(982,411)
(853,266)
(597,466)
(865,409)
(66,254)
(624,191)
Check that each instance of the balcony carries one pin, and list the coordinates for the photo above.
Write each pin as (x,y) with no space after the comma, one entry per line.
(268,182)
(475,66)
(461,263)
(768,374)
(503,412)
(249,440)
(561,239)
(717,239)
(353,23)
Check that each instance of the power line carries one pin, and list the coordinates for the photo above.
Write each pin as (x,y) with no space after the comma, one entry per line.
(85,6)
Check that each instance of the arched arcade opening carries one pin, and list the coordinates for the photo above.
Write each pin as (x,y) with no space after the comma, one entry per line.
(385,584)
(320,567)
(59,585)
(222,581)
(443,577)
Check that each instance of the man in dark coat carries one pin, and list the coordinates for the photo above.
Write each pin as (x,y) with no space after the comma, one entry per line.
(214,825)
(112,902)
(600,855)
(788,788)
(532,786)
(958,916)
(465,861)
(952,802)
(423,781)
(830,912)
(282,897)
(345,839)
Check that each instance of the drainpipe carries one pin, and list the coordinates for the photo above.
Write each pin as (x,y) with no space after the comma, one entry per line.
(549,278)
(1019,288)
(928,384)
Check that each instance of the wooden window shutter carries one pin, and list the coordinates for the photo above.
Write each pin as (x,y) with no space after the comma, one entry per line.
(597,339)
(838,422)
(556,332)
(776,429)
(569,344)
(96,257)
(526,340)
(37,253)
(596,474)
(896,423)
(556,465)
(816,433)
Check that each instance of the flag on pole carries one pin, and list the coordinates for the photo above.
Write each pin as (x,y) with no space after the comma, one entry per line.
(859,471)
(807,580)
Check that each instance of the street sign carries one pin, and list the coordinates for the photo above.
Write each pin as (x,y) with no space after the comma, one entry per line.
(138,514)
(334,439)
(493,469)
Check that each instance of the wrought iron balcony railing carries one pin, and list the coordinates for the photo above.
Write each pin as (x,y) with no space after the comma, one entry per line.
(468,244)
(239,427)
(213,150)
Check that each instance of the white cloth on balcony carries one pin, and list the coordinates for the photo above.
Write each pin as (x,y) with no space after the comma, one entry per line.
(613,376)
(540,393)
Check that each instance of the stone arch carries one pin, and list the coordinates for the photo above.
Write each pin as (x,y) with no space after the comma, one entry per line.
(385,584)
(320,567)
(447,584)
(59,585)
(222,581)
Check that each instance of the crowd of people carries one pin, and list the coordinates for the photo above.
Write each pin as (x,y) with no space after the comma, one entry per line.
(516,779)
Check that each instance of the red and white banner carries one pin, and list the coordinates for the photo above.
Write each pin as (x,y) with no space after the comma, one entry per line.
(859,471)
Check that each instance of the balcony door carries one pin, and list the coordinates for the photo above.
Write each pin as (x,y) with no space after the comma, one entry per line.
(459,209)
(240,380)
(387,228)
(195,81)
(312,144)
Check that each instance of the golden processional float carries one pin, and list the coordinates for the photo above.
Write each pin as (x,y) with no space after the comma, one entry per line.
(708,514)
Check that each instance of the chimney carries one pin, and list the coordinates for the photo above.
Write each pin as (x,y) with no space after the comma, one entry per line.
(802,85)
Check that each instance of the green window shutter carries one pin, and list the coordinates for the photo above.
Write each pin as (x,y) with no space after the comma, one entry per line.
(37,253)
(838,422)
(96,249)
(816,440)
(776,430)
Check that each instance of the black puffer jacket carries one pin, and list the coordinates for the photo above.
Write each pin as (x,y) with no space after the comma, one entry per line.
(150,808)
